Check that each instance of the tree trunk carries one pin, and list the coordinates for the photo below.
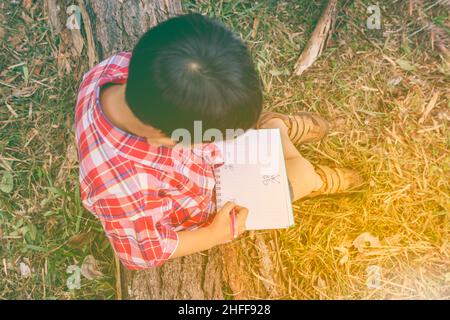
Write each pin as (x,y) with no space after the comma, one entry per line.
(117,25)
(111,26)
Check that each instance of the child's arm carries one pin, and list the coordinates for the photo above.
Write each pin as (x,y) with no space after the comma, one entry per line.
(218,232)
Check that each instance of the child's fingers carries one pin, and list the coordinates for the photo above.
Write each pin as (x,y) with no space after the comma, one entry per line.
(241,215)
(241,212)
(241,228)
(228,207)
(241,219)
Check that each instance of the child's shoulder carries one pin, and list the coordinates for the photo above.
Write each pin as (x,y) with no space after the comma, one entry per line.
(114,68)
(116,63)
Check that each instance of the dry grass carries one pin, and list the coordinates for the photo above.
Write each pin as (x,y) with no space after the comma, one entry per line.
(396,135)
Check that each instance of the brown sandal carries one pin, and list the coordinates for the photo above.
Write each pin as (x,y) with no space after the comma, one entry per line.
(303,127)
(337,180)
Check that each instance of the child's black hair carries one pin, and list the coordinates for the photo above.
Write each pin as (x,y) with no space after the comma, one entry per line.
(192,68)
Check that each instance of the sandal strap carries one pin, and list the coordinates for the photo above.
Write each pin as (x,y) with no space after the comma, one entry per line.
(297,136)
(268,115)
(289,121)
(336,180)
(298,127)
(332,179)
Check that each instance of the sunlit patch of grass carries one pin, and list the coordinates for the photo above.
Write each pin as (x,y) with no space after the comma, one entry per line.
(375,130)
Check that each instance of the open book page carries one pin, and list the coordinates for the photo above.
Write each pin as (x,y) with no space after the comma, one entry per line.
(254,176)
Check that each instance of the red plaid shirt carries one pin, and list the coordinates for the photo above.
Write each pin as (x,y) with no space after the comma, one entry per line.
(142,194)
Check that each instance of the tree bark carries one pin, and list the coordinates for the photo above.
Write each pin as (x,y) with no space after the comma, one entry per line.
(117,25)
(112,26)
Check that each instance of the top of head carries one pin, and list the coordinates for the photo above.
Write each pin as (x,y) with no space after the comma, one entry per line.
(192,68)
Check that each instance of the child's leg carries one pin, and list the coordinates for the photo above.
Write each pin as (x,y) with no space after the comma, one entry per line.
(307,180)
(301,173)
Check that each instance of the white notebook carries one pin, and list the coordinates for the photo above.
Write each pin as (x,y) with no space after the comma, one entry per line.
(254,176)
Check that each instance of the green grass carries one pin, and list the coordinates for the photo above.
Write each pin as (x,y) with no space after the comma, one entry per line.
(43,211)
(376,130)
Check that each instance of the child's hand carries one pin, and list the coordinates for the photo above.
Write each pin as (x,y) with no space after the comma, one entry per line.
(221,226)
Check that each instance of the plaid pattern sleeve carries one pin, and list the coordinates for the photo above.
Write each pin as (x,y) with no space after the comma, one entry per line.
(142,194)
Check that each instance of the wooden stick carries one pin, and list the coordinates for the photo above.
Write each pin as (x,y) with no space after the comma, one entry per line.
(118,280)
(91,50)
(318,39)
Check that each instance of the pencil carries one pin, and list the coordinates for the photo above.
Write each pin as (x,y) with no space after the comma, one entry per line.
(233,223)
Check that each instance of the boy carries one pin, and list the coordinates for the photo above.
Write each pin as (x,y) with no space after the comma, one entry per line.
(154,203)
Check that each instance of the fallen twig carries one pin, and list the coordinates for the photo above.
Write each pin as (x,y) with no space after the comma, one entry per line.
(318,39)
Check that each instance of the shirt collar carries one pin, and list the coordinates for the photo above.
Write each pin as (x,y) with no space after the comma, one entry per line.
(138,148)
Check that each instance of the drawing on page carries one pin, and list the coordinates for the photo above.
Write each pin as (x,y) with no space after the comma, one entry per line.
(269,179)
